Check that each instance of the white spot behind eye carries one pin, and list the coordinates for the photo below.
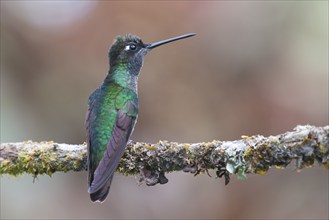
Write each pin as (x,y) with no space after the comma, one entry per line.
(127,47)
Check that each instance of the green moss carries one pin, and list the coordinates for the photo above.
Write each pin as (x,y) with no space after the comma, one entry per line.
(40,161)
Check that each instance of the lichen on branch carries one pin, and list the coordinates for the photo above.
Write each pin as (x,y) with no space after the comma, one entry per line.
(250,154)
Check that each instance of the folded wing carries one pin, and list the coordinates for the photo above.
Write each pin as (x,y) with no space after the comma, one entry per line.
(100,177)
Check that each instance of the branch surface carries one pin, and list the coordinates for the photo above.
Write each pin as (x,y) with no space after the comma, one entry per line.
(254,154)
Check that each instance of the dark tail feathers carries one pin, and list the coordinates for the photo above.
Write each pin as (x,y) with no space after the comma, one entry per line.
(101,194)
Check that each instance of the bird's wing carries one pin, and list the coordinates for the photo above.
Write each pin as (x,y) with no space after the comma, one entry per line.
(89,118)
(124,124)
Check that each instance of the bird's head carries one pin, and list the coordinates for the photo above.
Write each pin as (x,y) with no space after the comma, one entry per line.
(130,50)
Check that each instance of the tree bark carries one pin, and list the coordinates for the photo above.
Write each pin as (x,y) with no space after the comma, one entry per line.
(254,154)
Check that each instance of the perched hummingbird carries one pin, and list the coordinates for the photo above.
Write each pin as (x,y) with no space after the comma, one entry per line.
(112,111)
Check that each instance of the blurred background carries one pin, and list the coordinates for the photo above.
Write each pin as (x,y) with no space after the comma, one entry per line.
(254,68)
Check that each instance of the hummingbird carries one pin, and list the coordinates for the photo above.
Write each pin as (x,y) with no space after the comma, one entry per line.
(113,109)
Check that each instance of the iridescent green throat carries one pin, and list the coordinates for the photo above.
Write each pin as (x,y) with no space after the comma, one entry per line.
(121,76)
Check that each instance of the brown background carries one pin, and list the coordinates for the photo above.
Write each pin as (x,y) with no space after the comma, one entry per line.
(254,68)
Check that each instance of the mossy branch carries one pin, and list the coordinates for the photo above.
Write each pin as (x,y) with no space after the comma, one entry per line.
(255,154)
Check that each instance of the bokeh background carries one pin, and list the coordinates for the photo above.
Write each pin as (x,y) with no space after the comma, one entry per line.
(254,68)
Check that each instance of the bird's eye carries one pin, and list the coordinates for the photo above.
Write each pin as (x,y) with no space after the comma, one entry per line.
(131,47)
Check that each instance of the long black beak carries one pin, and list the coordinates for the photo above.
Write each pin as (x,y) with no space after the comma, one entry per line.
(156,44)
